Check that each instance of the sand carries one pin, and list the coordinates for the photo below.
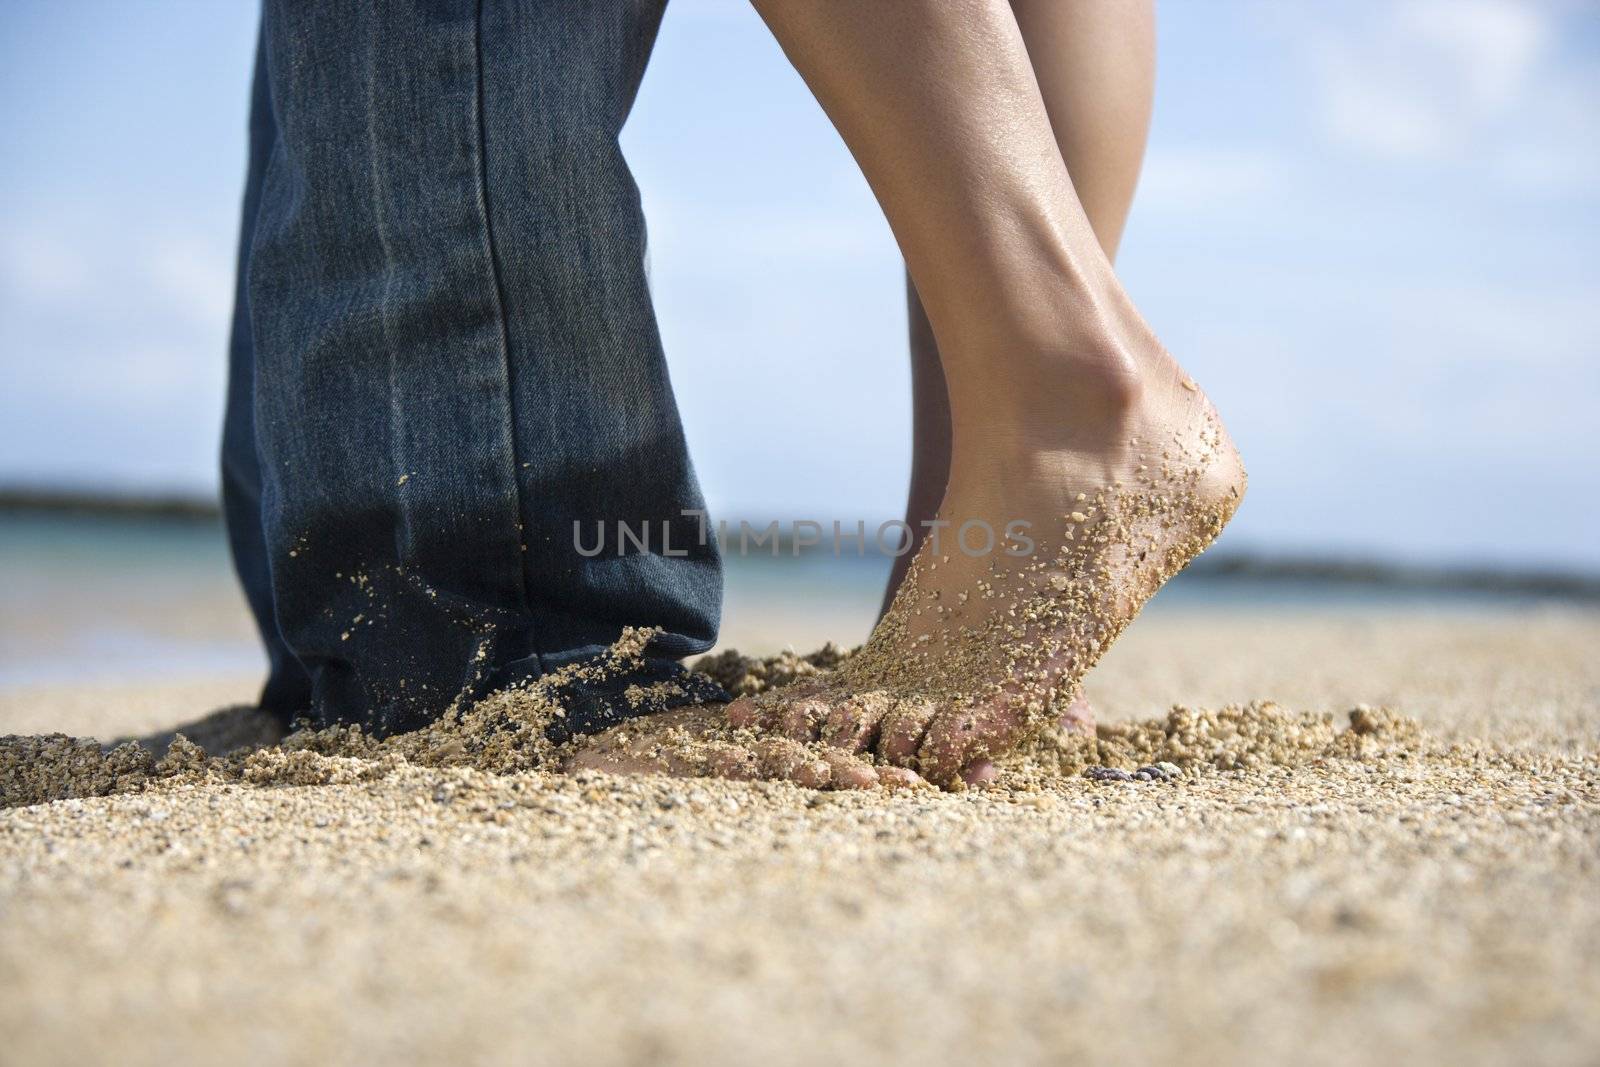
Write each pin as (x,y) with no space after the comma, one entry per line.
(1422,886)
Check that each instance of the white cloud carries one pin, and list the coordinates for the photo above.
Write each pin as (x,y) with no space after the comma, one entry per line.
(1417,79)
(1490,45)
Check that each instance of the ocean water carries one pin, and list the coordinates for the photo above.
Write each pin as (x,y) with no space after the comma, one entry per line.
(90,598)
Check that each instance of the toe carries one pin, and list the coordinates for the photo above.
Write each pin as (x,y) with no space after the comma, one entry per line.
(801,719)
(979,772)
(813,774)
(849,772)
(742,713)
(853,723)
(731,761)
(902,731)
(782,759)
(964,736)
(899,778)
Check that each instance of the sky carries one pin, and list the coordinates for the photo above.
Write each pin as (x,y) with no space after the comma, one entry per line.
(1371,230)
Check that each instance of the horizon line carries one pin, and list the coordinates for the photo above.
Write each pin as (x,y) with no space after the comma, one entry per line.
(1333,567)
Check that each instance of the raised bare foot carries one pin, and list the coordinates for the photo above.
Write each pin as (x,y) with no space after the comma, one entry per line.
(1058,526)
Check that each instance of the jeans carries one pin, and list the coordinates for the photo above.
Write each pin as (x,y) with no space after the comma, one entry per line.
(444,356)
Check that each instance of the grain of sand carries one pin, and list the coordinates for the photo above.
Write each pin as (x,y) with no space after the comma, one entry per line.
(1301,892)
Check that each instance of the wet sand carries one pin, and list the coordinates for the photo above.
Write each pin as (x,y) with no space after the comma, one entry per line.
(1422,890)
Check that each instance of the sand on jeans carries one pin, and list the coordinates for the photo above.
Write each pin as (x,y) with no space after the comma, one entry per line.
(1422,886)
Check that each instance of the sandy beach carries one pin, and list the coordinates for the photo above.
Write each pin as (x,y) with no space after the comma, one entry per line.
(1124,474)
(1418,890)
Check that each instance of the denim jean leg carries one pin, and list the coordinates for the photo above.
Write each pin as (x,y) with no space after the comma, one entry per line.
(595,421)
(416,445)
(288,688)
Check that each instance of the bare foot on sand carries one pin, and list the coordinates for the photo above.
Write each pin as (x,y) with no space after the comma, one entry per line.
(1056,536)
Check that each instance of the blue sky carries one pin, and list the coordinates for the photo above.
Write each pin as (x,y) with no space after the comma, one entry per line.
(1371,230)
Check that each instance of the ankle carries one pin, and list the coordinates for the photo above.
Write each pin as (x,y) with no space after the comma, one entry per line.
(1086,381)
(1062,327)
(1100,369)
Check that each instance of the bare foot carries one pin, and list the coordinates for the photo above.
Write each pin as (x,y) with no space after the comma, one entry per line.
(697,742)
(988,638)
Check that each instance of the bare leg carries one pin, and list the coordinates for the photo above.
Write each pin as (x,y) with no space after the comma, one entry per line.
(1066,415)
(1065,411)
(1094,61)
(930,437)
